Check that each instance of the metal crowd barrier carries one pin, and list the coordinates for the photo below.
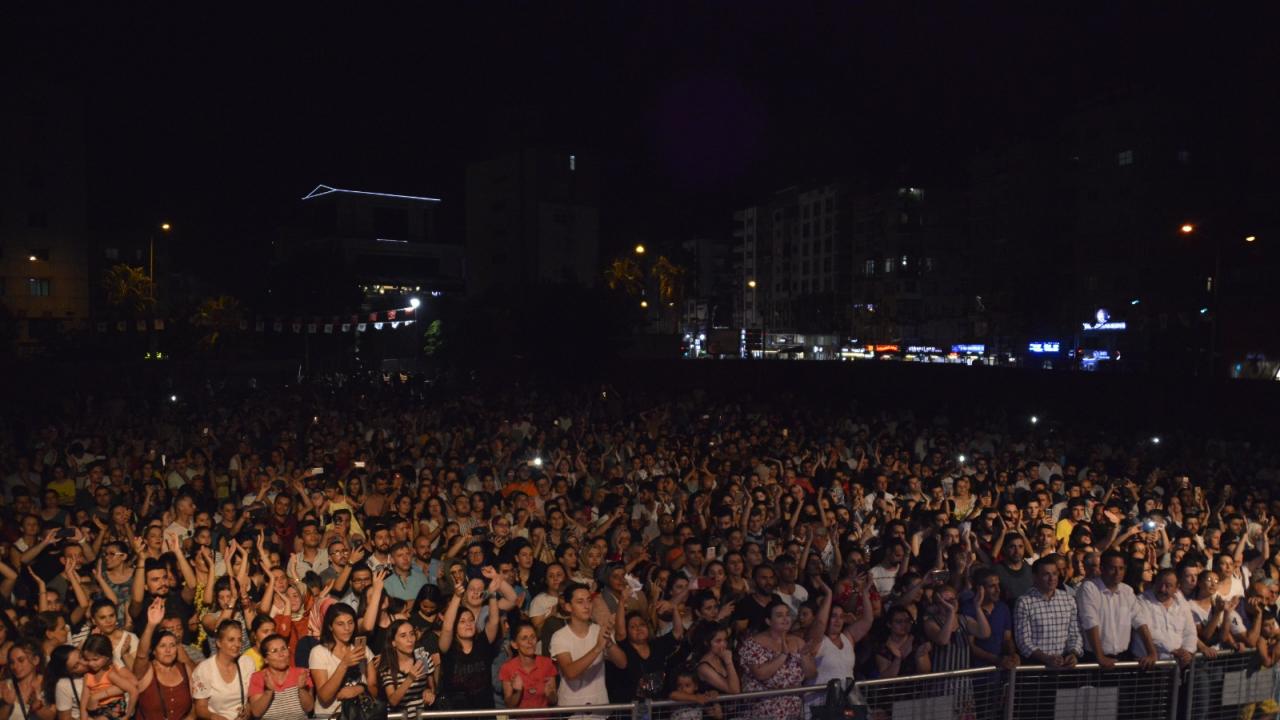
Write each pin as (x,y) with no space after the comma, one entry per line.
(726,707)
(1231,686)
(972,694)
(1088,692)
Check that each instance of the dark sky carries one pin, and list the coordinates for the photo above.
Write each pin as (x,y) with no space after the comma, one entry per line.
(218,116)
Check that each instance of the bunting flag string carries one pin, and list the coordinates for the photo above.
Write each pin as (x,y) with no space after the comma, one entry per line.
(334,325)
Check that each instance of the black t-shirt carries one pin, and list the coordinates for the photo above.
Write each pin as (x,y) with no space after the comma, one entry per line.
(466,681)
(173,605)
(750,610)
(623,682)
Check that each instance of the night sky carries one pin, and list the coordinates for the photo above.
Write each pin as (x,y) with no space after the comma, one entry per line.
(218,117)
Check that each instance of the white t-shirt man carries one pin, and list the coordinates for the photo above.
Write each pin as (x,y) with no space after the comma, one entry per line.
(225,698)
(588,688)
(322,658)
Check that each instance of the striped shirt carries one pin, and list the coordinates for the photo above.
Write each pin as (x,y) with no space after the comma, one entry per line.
(412,700)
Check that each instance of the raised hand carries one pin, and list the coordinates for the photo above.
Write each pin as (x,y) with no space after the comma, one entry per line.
(517,683)
(155,613)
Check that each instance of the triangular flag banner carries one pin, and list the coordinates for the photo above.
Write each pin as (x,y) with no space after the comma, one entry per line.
(407,323)
(377,326)
(277,326)
(258,326)
(311,328)
(120,326)
(391,314)
(360,327)
(142,326)
(297,327)
(328,328)
(346,327)
(395,324)
(102,327)
(159,323)
(244,324)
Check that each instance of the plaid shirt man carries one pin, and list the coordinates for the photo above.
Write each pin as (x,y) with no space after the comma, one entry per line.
(1047,624)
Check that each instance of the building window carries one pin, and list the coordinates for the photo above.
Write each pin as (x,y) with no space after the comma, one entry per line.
(888,265)
(573,163)
(38,287)
(112,253)
(1125,157)
(869,268)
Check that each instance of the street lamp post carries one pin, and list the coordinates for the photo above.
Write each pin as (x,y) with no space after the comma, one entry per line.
(151,257)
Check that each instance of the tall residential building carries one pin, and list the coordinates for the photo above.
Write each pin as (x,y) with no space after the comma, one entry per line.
(44,268)
(532,218)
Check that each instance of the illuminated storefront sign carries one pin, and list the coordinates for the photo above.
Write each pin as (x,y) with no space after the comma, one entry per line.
(1104,323)
(923,349)
(1044,346)
(972,349)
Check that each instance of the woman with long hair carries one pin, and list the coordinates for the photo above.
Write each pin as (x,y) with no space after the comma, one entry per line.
(220,684)
(406,674)
(22,697)
(280,691)
(64,682)
(466,652)
(713,659)
(342,664)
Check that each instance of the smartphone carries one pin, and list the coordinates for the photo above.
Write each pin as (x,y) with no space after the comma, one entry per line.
(711,553)
(420,654)
(361,644)
(66,533)
(360,463)
(317,471)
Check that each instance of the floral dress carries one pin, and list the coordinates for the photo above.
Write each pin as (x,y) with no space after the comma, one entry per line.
(791,675)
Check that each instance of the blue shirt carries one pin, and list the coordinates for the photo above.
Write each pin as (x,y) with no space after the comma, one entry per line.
(404,588)
(1001,621)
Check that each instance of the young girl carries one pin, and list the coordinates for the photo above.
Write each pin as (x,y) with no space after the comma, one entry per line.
(110,690)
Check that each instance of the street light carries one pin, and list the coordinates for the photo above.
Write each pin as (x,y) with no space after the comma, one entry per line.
(415,303)
(1250,238)
(165,227)
(1187,228)
(639,249)
(751,284)
(644,303)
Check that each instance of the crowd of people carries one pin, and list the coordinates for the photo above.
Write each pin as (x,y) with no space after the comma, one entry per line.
(300,553)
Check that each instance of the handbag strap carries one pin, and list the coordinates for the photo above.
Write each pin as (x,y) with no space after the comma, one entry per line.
(17,690)
(75,695)
(240,677)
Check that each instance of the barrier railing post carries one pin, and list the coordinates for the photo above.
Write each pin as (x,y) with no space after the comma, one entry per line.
(1009,693)
(642,710)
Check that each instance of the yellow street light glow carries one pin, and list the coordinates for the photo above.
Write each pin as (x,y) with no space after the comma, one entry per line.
(1250,238)
(1187,228)
(751,284)
(644,303)
(639,249)
(166,227)
(32,258)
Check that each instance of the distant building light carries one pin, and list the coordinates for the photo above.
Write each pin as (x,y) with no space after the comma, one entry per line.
(1134,301)
(389,240)
(1044,346)
(1204,311)
(922,349)
(969,349)
(573,163)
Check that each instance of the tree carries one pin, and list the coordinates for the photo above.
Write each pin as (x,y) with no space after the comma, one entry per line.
(625,274)
(129,288)
(434,340)
(216,316)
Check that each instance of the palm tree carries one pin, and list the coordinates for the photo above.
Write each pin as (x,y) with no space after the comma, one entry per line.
(670,277)
(216,315)
(129,288)
(625,274)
